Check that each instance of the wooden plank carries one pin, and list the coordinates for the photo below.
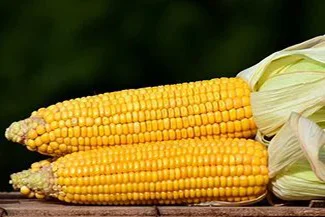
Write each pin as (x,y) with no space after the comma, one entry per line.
(15,205)
(36,208)
(317,203)
(11,195)
(241,211)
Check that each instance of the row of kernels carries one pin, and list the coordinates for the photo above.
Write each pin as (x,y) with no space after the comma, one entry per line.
(221,194)
(148,130)
(237,151)
(139,199)
(198,121)
(149,100)
(60,150)
(232,155)
(240,118)
(137,113)
(67,145)
(163,186)
(177,114)
(156,92)
(81,199)
(185,171)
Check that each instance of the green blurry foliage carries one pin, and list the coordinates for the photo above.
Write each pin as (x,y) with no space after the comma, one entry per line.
(55,50)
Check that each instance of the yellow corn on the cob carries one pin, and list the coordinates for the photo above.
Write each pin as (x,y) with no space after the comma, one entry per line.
(170,112)
(169,172)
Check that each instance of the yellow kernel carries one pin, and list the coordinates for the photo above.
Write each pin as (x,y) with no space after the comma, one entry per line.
(222,105)
(234,191)
(259,180)
(54,145)
(57,116)
(259,190)
(43,148)
(242,191)
(89,121)
(247,170)
(31,143)
(218,117)
(240,113)
(49,118)
(264,170)
(49,150)
(230,127)
(40,129)
(249,191)
(229,103)
(39,195)
(38,141)
(246,101)
(243,181)
(32,134)
(25,190)
(215,192)
(64,132)
(245,124)
(256,170)
(237,102)
(62,147)
(45,138)
(225,116)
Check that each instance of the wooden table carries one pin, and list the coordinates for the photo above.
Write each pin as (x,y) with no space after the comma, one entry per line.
(12,204)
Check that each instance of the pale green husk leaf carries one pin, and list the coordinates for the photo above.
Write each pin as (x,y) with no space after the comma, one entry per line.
(291,80)
(271,108)
(298,182)
(297,160)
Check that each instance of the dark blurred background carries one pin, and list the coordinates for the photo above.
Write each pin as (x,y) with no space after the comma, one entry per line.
(55,50)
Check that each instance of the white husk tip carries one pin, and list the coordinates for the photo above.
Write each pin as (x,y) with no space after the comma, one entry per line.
(299,139)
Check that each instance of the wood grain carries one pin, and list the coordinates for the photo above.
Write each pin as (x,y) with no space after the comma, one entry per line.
(14,205)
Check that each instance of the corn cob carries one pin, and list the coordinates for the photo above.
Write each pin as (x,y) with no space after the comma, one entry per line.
(169,172)
(171,112)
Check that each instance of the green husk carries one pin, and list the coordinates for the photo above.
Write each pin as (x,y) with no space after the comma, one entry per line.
(297,160)
(291,80)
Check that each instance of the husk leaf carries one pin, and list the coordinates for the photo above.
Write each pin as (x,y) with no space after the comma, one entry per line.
(298,182)
(297,160)
(271,108)
(311,51)
(291,80)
